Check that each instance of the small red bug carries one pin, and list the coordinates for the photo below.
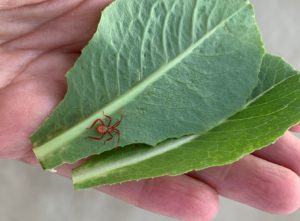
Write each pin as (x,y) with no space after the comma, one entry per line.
(107,129)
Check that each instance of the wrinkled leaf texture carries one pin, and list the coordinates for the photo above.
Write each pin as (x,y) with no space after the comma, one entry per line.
(273,107)
(192,81)
(170,67)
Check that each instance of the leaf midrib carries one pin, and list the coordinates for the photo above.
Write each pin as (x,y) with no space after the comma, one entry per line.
(55,143)
(159,150)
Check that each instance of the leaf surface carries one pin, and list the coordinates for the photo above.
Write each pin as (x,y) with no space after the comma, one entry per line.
(170,67)
(273,108)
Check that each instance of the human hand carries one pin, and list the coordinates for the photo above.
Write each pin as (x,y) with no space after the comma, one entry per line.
(39,42)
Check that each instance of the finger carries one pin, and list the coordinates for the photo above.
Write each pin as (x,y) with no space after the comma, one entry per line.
(33,94)
(17,3)
(296,128)
(52,19)
(180,197)
(285,152)
(256,182)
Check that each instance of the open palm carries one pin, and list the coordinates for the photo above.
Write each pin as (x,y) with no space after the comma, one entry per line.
(41,39)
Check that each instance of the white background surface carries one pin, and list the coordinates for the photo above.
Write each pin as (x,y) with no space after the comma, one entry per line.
(29,194)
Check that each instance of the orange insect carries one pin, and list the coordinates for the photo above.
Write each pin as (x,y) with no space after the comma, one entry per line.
(103,129)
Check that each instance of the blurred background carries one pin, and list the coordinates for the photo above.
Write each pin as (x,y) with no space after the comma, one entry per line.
(29,194)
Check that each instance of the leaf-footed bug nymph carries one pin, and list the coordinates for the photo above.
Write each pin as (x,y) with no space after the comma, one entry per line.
(104,129)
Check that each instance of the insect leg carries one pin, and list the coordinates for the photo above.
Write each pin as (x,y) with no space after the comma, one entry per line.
(97,121)
(118,134)
(98,138)
(111,137)
(118,122)
(109,117)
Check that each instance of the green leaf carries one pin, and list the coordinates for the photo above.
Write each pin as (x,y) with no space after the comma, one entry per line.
(170,67)
(273,70)
(267,116)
